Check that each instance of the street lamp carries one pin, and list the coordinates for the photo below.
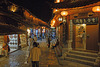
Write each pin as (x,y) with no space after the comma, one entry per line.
(64,14)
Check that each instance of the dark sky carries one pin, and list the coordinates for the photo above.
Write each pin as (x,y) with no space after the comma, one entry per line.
(40,8)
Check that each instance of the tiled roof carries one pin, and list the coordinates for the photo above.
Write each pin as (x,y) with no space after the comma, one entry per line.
(68,4)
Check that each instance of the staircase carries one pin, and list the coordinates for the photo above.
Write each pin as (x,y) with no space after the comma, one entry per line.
(86,58)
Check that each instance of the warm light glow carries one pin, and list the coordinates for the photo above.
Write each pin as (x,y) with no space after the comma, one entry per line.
(52,27)
(84,24)
(13,8)
(60,19)
(57,1)
(31,16)
(52,22)
(96,9)
(26,13)
(55,10)
(28,30)
(43,31)
(64,13)
(42,27)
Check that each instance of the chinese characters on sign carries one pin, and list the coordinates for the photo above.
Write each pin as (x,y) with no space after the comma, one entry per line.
(86,21)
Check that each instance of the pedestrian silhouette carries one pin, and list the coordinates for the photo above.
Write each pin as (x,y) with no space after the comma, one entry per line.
(34,55)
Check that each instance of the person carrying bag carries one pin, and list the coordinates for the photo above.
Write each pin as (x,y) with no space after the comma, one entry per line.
(34,55)
(5,49)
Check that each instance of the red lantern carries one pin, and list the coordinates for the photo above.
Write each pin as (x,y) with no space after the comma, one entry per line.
(64,13)
(96,9)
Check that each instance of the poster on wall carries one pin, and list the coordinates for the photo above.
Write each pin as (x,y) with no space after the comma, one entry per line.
(23,40)
(13,43)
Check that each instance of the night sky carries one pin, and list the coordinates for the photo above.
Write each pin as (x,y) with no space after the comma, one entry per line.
(40,8)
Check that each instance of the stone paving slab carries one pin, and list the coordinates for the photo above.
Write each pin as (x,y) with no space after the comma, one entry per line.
(47,59)
(18,58)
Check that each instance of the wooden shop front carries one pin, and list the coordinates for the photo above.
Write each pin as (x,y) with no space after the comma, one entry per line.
(85,34)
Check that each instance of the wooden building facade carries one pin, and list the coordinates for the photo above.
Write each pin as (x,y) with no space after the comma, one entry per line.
(81,25)
(14,22)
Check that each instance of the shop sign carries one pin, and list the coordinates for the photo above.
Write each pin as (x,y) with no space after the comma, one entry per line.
(85,21)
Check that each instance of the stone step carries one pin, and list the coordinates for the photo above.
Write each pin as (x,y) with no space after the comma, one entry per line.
(66,63)
(88,58)
(80,61)
(84,53)
(54,66)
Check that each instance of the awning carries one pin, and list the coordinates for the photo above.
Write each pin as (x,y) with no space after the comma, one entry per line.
(68,4)
(44,24)
(6,29)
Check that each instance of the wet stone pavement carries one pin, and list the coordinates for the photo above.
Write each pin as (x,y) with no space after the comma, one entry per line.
(18,58)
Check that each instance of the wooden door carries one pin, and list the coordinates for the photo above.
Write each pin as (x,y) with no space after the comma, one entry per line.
(92,37)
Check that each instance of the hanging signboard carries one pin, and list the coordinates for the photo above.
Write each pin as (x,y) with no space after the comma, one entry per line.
(85,21)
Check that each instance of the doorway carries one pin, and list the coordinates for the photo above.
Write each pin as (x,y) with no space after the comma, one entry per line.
(86,37)
(80,37)
(92,37)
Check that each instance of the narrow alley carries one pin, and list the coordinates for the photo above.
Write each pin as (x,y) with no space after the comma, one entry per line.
(47,59)
(65,33)
(18,58)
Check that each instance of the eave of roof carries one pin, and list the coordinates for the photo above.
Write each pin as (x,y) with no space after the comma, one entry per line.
(66,4)
(6,29)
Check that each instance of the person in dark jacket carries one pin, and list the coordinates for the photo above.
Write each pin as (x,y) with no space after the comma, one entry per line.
(49,42)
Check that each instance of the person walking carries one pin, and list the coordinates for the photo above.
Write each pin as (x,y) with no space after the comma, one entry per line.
(30,46)
(30,42)
(84,39)
(49,42)
(35,38)
(5,49)
(34,56)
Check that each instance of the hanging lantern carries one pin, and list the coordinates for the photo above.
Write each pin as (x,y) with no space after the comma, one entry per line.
(13,8)
(57,1)
(55,10)
(64,13)
(53,22)
(96,9)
